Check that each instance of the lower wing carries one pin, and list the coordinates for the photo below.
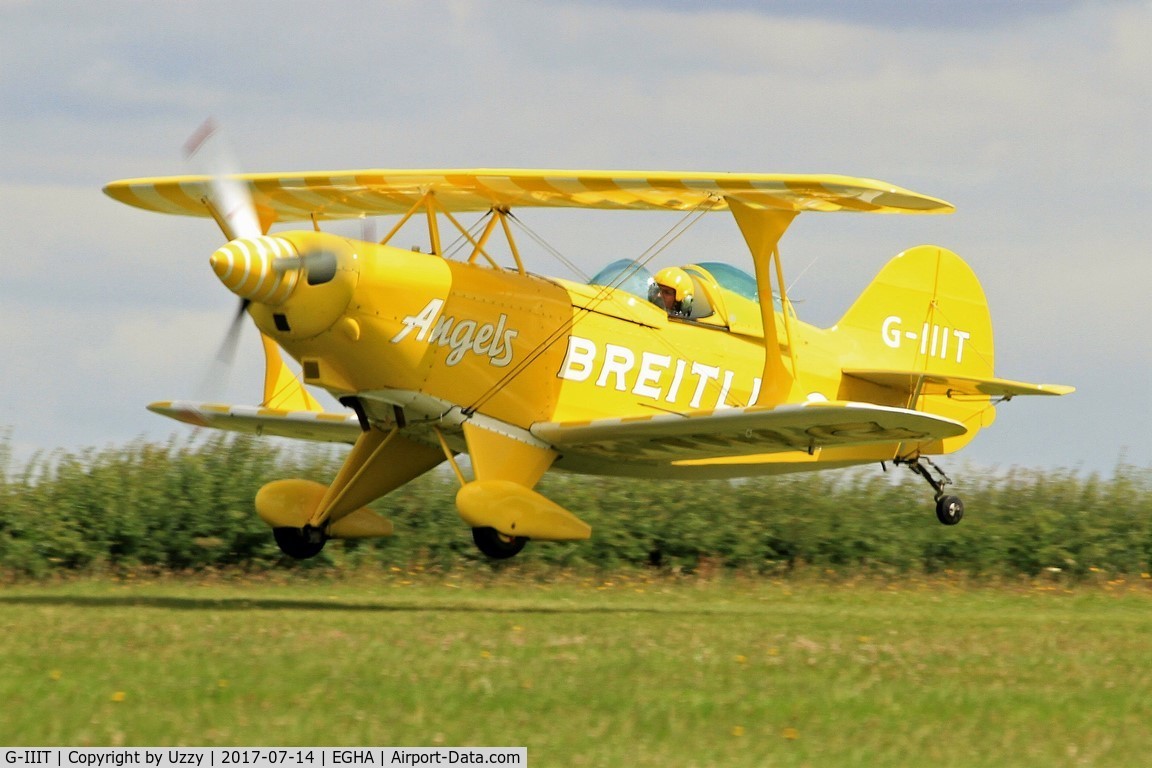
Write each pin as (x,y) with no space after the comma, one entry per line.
(746,431)
(254,420)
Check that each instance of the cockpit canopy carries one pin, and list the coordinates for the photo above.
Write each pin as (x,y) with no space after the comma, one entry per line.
(709,276)
(625,275)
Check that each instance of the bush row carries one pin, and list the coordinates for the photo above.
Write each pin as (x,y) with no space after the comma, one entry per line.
(187,504)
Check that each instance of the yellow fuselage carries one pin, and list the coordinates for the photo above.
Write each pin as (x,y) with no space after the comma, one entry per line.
(401,329)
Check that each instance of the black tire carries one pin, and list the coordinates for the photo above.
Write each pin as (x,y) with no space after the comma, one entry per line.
(496,545)
(299,543)
(949,510)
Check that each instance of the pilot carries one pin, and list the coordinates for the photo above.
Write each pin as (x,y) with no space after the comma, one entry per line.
(672,290)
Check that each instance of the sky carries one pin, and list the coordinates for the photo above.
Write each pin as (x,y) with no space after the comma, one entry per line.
(1031,118)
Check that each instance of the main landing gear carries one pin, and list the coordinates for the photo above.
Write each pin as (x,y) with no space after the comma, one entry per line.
(300,543)
(496,545)
(949,509)
(305,543)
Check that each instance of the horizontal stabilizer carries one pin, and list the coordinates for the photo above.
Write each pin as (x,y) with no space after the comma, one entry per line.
(745,431)
(920,383)
(254,420)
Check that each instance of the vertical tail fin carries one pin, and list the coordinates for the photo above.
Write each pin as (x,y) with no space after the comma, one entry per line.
(924,312)
(920,327)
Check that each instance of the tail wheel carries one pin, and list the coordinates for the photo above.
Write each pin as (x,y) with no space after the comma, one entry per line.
(949,509)
(300,543)
(497,545)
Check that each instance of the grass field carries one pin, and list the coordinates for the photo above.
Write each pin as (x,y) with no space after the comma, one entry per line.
(590,672)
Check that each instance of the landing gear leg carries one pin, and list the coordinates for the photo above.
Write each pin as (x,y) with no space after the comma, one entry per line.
(949,509)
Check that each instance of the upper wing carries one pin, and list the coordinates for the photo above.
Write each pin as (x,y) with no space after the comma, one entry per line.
(936,384)
(746,431)
(304,425)
(351,194)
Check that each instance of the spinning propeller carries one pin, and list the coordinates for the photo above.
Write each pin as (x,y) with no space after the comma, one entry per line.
(255,266)
(231,205)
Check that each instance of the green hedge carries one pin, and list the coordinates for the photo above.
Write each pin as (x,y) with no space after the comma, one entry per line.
(187,504)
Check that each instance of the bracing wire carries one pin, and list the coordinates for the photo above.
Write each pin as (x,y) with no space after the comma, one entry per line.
(459,243)
(551,250)
(663,242)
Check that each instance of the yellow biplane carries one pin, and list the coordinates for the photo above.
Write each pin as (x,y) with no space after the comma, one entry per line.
(699,371)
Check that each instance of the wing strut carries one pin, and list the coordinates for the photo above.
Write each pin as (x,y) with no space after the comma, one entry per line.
(762,229)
